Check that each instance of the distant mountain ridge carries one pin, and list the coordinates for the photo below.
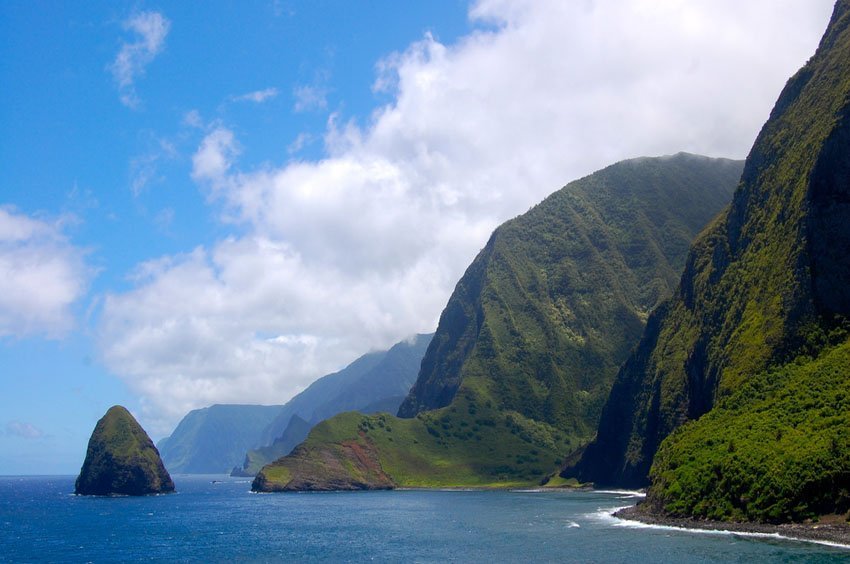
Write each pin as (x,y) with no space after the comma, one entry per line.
(377,381)
(531,339)
(214,439)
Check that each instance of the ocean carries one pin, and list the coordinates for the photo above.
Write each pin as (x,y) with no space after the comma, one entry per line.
(217,519)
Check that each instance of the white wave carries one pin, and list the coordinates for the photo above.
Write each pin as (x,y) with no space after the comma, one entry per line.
(572,525)
(627,493)
(530,490)
(607,515)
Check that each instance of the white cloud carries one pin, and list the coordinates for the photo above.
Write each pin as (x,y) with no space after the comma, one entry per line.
(41,277)
(258,96)
(363,247)
(150,29)
(250,321)
(214,157)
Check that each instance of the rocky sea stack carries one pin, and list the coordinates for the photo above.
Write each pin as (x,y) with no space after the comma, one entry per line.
(122,460)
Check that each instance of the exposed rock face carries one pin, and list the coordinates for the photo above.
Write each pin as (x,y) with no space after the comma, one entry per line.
(122,460)
(766,283)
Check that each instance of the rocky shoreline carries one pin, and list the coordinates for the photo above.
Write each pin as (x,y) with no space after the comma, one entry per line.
(831,529)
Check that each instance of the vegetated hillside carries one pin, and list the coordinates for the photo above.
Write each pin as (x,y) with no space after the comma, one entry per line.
(376,381)
(121,459)
(777,449)
(214,439)
(532,336)
(767,285)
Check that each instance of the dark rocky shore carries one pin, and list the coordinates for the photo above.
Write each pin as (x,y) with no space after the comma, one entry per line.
(831,529)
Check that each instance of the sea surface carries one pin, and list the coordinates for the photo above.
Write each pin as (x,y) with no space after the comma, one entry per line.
(217,519)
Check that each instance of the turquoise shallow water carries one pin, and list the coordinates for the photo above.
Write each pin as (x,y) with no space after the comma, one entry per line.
(223,522)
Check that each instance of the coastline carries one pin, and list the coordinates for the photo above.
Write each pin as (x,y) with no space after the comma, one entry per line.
(506,488)
(831,531)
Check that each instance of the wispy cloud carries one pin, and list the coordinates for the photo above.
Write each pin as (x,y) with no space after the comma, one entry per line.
(150,30)
(144,169)
(310,98)
(23,430)
(299,143)
(258,96)
(41,276)
(193,119)
(164,220)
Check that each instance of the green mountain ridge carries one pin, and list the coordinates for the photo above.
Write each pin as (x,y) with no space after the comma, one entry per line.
(531,339)
(756,330)
(121,459)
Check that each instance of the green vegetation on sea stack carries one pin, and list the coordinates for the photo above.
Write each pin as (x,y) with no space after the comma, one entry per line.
(121,459)
(530,341)
(766,290)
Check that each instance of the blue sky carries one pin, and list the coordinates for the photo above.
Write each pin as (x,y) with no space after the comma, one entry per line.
(220,202)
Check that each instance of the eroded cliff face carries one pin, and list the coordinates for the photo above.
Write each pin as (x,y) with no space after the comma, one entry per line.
(765,283)
(554,302)
(121,459)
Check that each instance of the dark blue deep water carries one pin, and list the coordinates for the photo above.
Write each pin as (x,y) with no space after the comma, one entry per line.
(222,522)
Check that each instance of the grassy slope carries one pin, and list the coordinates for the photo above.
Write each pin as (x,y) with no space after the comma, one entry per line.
(485,449)
(532,337)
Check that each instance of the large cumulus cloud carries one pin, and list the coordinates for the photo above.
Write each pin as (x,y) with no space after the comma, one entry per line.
(332,257)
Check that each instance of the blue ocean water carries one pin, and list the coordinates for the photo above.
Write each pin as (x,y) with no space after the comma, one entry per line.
(223,522)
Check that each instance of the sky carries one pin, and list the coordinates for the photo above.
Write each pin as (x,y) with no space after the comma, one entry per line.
(219,202)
